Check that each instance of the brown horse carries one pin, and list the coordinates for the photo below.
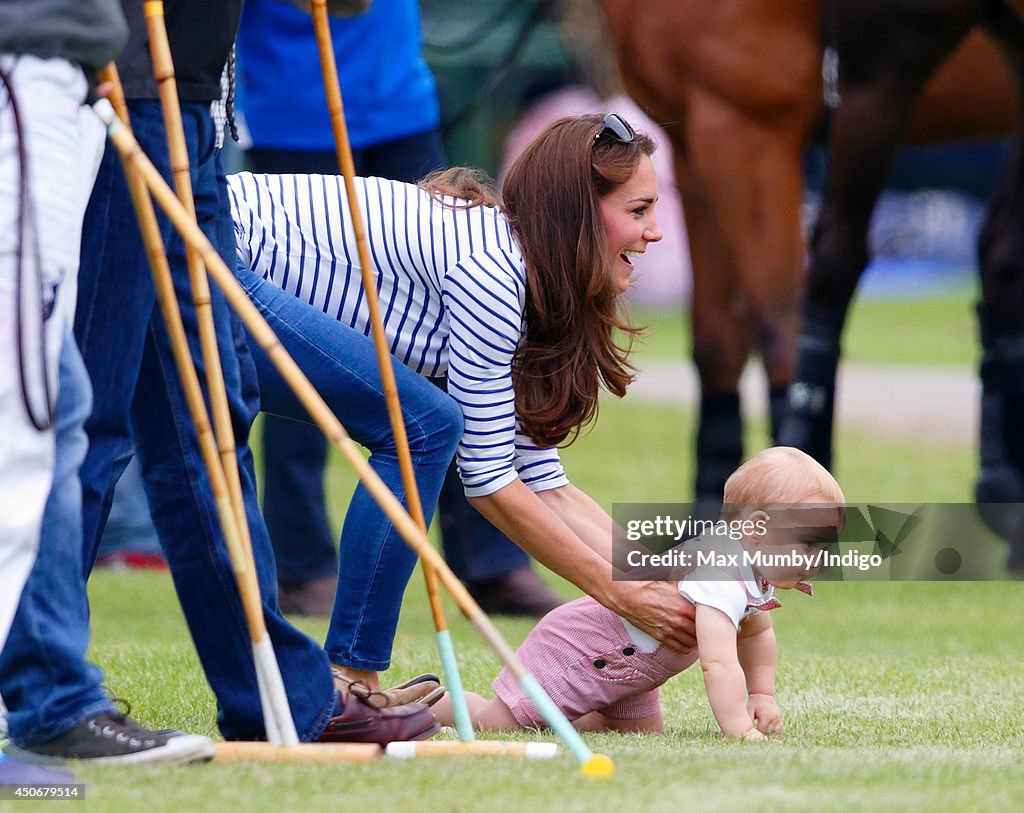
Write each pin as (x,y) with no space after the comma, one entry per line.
(737,86)
(880,77)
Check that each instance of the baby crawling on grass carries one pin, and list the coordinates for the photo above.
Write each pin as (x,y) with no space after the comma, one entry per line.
(604,673)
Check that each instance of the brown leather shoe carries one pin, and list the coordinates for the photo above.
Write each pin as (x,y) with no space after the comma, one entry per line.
(521,592)
(314,598)
(359,722)
(424,688)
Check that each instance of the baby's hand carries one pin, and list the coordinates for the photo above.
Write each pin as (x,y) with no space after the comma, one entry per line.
(766,714)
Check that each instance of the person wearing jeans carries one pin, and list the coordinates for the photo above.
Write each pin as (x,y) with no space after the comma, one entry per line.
(138,396)
(341,364)
(49,147)
(459,278)
(393,121)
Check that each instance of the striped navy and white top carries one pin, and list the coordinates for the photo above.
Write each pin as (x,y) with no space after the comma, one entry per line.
(452,289)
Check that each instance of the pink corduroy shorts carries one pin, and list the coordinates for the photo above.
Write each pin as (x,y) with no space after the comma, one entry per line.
(583,658)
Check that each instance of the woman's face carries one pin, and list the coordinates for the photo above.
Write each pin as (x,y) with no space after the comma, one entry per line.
(629,222)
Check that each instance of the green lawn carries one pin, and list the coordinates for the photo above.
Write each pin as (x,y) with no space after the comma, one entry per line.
(929,331)
(896,696)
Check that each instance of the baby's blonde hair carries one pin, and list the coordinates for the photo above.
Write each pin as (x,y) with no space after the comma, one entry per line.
(781,475)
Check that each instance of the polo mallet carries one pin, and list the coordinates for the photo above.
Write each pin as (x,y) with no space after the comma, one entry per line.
(279,724)
(329,69)
(163,71)
(429,749)
(592,765)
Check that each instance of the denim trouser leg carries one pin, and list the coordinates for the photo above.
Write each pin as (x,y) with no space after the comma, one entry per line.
(46,681)
(129,527)
(375,563)
(116,298)
(294,452)
(133,372)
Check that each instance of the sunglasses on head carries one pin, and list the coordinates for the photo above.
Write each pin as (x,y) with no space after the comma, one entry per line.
(616,127)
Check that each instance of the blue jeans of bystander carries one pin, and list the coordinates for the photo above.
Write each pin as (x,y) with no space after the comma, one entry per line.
(126,350)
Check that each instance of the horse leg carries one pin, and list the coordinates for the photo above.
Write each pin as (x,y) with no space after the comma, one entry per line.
(884,64)
(720,344)
(769,257)
(741,190)
(1001,323)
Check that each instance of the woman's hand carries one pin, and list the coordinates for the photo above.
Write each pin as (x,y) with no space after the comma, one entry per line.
(566,531)
(658,609)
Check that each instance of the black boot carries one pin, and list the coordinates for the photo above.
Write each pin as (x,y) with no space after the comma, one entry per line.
(778,406)
(999,490)
(810,403)
(719,444)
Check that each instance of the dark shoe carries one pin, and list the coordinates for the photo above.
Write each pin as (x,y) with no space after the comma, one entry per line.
(426,689)
(360,722)
(521,592)
(15,772)
(314,598)
(110,737)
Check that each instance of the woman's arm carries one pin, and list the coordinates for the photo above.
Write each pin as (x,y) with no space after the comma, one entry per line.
(568,532)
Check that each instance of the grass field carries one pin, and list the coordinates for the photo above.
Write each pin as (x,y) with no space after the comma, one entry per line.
(930,331)
(897,697)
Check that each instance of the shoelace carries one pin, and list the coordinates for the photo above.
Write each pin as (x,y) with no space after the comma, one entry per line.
(361,691)
(121,730)
(124,707)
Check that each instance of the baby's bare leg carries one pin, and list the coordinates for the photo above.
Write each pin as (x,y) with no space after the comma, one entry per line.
(485,714)
(596,721)
(443,708)
(494,715)
(591,721)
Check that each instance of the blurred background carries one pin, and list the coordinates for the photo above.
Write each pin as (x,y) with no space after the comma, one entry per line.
(506,68)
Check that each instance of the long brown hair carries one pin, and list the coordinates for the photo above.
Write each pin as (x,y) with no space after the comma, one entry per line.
(551,196)
(467,185)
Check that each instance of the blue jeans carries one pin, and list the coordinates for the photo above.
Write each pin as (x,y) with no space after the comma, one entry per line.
(46,682)
(138,394)
(294,454)
(129,526)
(375,563)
